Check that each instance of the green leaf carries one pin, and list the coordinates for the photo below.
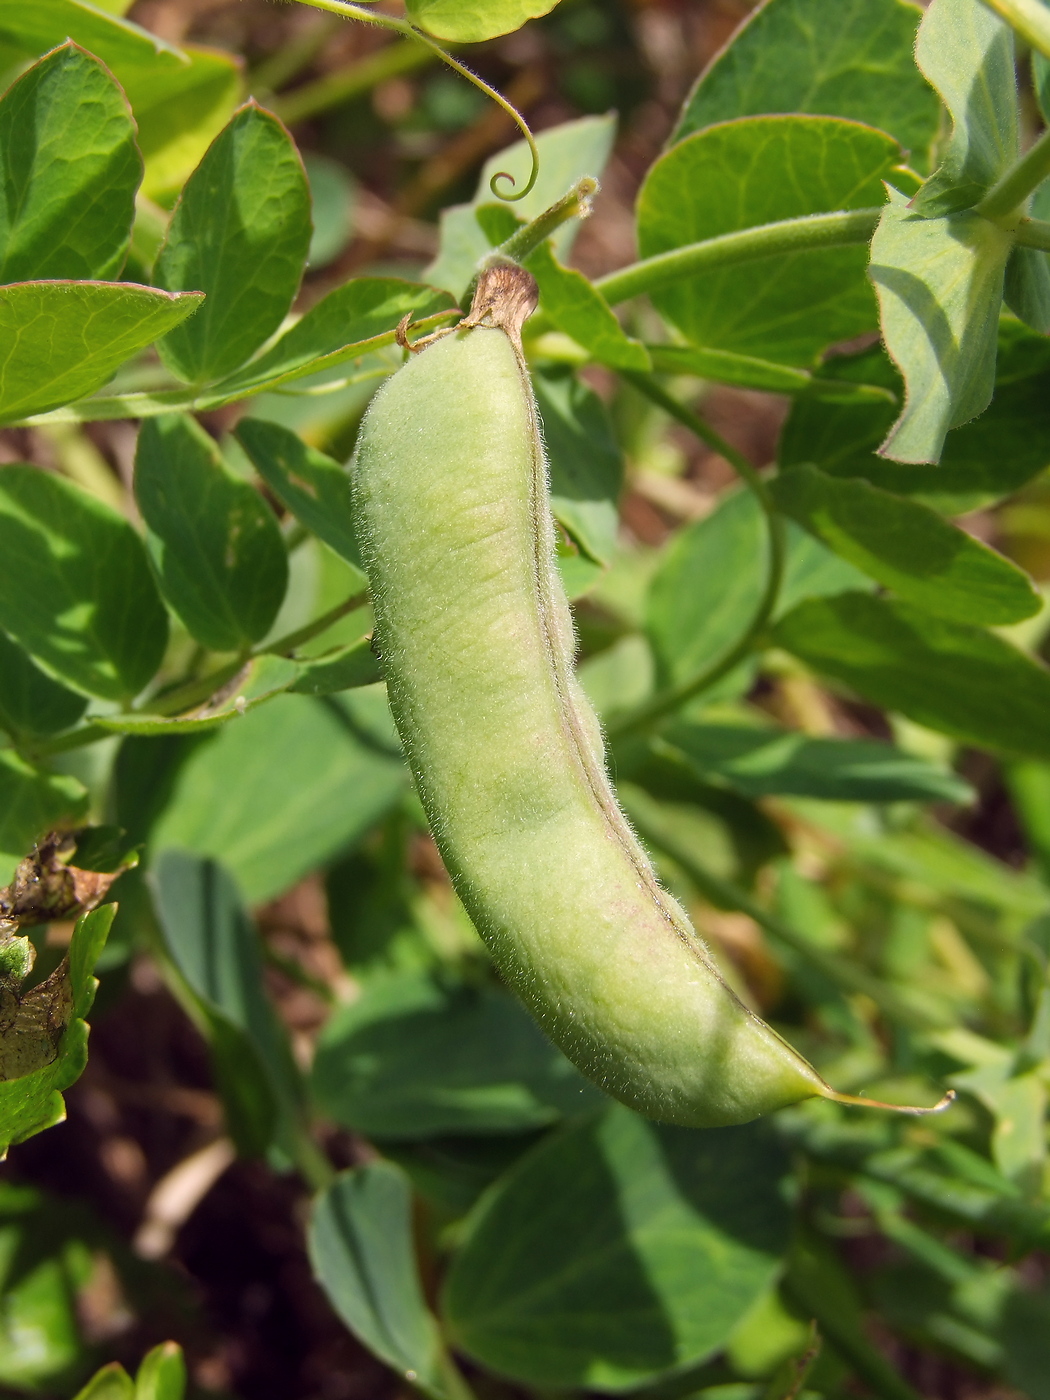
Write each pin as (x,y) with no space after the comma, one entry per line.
(48,1018)
(117,42)
(852,59)
(69,169)
(958,680)
(967,53)
(1026,287)
(211,940)
(162,1374)
(362,1251)
(907,547)
(313,486)
(31,803)
(340,321)
(754,171)
(30,701)
(617,1251)
(576,308)
(75,585)
(940,288)
(343,668)
(586,464)
(62,340)
(179,112)
(763,761)
(258,681)
(85,949)
(711,579)
(982,461)
(214,544)
(476,20)
(567,153)
(33,1102)
(111,1382)
(271,822)
(414,1058)
(240,233)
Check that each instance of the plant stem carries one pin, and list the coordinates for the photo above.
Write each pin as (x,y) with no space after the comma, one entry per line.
(785,236)
(676,696)
(1011,190)
(575,205)
(1030,19)
(1034,233)
(334,89)
(295,639)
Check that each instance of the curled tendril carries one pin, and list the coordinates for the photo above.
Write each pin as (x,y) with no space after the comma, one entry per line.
(349,10)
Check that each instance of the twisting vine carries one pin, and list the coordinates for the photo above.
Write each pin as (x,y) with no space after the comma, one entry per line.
(349,10)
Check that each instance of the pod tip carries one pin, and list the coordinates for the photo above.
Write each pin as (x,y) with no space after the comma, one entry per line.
(859,1101)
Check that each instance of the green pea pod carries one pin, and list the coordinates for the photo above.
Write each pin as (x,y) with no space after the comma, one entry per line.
(476,644)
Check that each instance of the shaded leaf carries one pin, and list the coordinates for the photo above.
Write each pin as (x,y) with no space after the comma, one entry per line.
(477,20)
(576,308)
(981,462)
(214,544)
(240,233)
(940,287)
(69,169)
(853,59)
(117,42)
(62,340)
(616,1251)
(762,761)
(967,53)
(754,171)
(211,940)
(586,465)
(30,701)
(179,112)
(711,579)
(333,196)
(958,680)
(75,585)
(907,547)
(313,486)
(415,1058)
(361,1248)
(270,822)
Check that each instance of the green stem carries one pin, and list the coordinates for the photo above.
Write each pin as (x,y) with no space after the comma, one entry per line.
(1030,19)
(401,26)
(785,236)
(342,86)
(283,645)
(1011,190)
(663,703)
(1033,233)
(575,205)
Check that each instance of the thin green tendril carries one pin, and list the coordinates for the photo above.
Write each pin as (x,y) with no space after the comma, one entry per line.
(399,26)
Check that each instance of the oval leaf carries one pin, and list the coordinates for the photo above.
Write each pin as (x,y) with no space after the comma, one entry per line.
(907,547)
(618,1250)
(213,541)
(75,585)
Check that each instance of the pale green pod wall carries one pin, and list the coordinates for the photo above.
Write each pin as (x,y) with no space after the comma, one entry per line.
(475,640)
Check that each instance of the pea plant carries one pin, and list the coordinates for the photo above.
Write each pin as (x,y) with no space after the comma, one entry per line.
(799,691)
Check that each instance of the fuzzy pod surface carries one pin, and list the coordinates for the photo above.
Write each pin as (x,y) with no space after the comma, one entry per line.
(476,643)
